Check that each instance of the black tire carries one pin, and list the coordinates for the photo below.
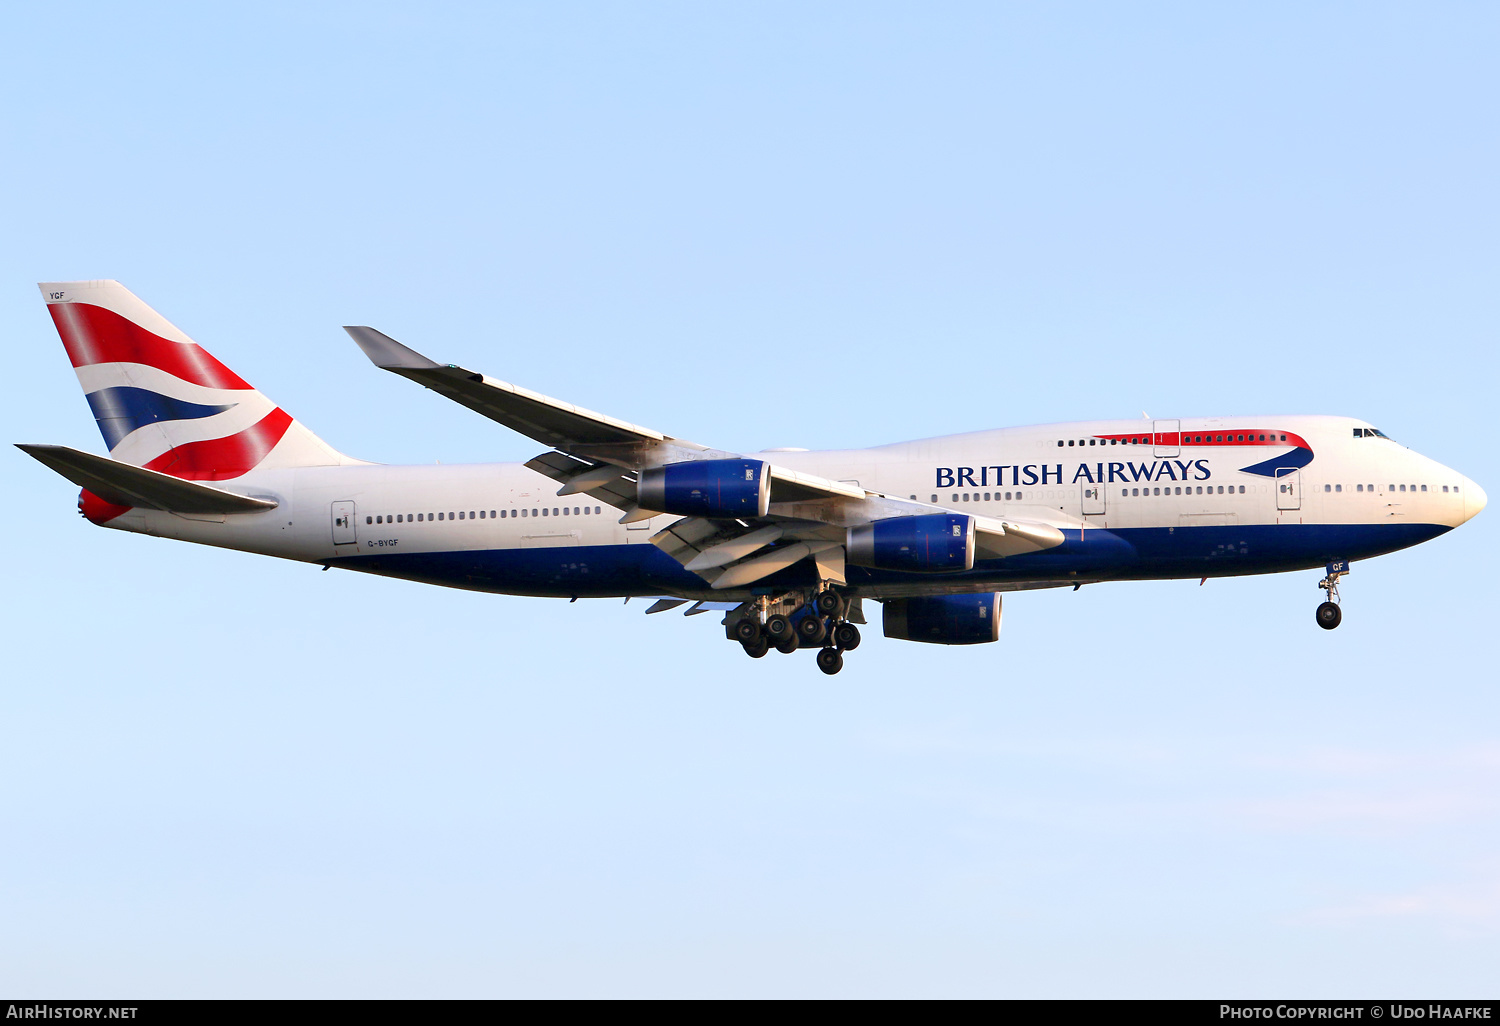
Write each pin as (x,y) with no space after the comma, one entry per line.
(1329,616)
(747,631)
(828,603)
(846,636)
(757,648)
(810,630)
(830,661)
(778,627)
(786,645)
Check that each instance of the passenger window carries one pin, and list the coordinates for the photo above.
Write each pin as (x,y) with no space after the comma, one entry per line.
(1424,488)
(1135,491)
(1092,442)
(380,520)
(544,511)
(1403,488)
(1328,488)
(1338,488)
(934,498)
(371,520)
(1262,438)
(554,511)
(1359,488)
(596,509)
(1445,488)
(955,496)
(1070,443)
(1059,445)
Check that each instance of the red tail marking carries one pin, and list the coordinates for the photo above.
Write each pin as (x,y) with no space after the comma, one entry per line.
(92,334)
(216,459)
(97,510)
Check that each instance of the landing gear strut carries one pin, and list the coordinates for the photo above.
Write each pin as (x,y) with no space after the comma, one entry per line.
(808,619)
(1329,614)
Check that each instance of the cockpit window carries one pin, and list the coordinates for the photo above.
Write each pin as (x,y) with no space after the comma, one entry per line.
(1371,433)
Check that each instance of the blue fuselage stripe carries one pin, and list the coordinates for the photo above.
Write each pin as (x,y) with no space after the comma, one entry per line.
(1126,554)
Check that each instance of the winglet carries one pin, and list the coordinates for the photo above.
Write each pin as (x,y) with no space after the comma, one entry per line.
(386,353)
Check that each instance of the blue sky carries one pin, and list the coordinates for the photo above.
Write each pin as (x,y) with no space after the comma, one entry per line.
(822,225)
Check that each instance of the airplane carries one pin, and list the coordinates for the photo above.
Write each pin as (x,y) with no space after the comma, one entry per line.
(787,543)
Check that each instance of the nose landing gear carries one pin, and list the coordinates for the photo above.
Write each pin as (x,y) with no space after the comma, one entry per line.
(1329,614)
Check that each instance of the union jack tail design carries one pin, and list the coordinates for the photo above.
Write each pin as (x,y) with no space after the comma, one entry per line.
(162,402)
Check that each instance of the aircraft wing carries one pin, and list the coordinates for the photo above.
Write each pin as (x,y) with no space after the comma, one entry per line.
(601,456)
(549,421)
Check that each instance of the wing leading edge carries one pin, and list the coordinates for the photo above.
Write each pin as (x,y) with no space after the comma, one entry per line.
(601,456)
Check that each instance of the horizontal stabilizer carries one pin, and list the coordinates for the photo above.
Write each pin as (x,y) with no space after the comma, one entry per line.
(124,485)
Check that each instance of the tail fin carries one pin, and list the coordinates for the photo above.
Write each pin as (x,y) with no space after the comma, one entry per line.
(164,403)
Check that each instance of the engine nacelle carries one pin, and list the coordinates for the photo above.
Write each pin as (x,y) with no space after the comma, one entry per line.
(944,619)
(927,544)
(707,488)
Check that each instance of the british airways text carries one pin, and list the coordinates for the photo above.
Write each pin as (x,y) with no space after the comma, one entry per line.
(1053,473)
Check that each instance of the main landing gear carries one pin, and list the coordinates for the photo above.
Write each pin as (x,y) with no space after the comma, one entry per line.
(813,620)
(1329,614)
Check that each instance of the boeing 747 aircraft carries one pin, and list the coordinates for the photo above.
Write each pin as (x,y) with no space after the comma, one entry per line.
(787,543)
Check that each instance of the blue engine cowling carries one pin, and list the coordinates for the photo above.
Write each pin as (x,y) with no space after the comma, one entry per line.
(927,544)
(944,619)
(707,488)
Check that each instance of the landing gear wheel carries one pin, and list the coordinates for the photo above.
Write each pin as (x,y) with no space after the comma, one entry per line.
(810,630)
(778,628)
(1329,616)
(828,603)
(747,631)
(786,645)
(757,648)
(830,661)
(846,636)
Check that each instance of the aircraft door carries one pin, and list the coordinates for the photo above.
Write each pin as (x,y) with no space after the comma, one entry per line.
(1288,488)
(1093,499)
(343,523)
(1165,439)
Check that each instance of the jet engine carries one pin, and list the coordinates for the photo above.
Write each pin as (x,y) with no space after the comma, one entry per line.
(707,488)
(926,544)
(944,619)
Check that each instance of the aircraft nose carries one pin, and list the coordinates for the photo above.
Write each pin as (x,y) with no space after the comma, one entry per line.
(1474,499)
